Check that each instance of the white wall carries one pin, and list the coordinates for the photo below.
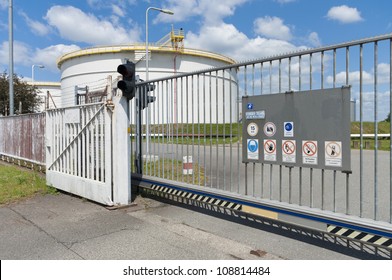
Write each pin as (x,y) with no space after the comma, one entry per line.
(55,93)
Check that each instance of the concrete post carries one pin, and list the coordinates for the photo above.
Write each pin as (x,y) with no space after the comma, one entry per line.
(121,147)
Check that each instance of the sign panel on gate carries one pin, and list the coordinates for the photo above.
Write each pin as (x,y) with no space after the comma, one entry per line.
(307,128)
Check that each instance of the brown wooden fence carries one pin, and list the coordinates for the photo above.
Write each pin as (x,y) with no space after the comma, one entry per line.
(22,138)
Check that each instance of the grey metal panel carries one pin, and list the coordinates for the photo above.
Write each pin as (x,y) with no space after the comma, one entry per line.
(319,117)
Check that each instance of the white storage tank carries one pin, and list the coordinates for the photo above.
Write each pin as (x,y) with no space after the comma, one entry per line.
(89,69)
(50,94)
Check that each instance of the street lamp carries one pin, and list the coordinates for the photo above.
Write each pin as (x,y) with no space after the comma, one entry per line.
(147,78)
(32,71)
(162,11)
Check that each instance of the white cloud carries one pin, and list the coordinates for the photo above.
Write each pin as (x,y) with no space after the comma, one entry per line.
(354,77)
(75,25)
(235,44)
(284,1)
(367,76)
(24,55)
(212,11)
(344,14)
(4,4)
(108,3)
(93,3)
(272,27)
(218,36)
(368,104)
(21,53)
(314,39)
(36,26)
(49,55)
(118,11)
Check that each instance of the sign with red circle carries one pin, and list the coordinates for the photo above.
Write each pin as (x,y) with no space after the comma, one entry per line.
(309,152)
(288,151)
(270,150)
(269,129)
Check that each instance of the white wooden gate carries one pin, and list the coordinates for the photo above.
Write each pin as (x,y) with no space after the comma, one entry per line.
(79,151)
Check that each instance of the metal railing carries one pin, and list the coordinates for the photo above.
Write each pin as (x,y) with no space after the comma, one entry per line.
(199,115)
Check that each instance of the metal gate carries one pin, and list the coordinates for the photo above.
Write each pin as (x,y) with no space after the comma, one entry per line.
(193,133)
(78,151)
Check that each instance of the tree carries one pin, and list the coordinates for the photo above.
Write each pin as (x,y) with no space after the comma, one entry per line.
(388,119)
(23,92)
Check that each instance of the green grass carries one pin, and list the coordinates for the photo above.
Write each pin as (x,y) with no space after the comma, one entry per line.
(17,184)
(213,134)
(173,169)
(368,127)
(197,134)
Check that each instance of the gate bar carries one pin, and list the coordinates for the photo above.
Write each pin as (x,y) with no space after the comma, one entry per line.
(290,210)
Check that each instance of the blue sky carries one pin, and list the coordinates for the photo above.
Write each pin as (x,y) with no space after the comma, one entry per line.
(241,29)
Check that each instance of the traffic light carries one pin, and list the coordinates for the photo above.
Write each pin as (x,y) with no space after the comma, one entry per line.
(128,83)
(145,98)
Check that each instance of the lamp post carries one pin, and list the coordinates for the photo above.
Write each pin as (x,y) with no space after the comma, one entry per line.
(32,71)
(147,78)
(162,11)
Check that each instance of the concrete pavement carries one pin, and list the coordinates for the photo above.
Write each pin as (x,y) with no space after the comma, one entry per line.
(61,226)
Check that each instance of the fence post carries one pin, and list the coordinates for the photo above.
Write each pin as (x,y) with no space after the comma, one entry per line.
(121,148)
(48,140)
(139,148)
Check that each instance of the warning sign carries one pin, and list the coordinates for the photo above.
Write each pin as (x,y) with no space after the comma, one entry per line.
(252,129)
(270,150)
(253,149)
(333,153)
(309,152)
(288,151)
(269,129)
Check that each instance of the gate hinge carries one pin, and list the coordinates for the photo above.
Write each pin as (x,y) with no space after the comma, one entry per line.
(109,104)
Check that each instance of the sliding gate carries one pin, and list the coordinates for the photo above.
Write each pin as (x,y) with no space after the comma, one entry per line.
(193,143)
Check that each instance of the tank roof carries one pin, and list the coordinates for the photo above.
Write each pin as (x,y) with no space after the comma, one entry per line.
(45,84)
(141,47)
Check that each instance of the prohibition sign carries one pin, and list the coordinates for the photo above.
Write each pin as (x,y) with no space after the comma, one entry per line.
(309,148)
(333,153)
(309,152)
(270,146)
(269,129)
(288,147)
(288,151)
(333,149)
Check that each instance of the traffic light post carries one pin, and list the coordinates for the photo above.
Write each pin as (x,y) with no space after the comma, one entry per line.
(142,101)
(128,83)
(130,89)
(139,148)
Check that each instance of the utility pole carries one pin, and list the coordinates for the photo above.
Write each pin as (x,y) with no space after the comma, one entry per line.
(11,57)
